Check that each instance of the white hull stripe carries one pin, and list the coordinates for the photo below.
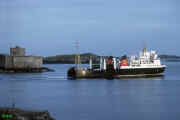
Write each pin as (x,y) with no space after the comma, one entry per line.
(138,75)
(142,67)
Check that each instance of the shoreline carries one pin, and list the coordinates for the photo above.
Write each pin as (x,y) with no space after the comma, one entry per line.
(70,58)
(20,114)
(26,70)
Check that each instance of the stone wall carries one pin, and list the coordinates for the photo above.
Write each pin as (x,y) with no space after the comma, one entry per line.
(2,61)
(9,62)
(6,61)
(17,51)
(27,62)
(18,60)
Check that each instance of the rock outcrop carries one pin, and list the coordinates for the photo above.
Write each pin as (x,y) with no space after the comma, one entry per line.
(19,114)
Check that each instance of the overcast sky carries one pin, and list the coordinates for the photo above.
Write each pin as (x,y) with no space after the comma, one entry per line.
(105,27)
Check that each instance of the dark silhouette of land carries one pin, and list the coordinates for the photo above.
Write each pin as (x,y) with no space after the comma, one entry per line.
(20,114)
(70,58)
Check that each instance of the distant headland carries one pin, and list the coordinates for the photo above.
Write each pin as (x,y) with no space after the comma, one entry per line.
(171,58)
(70,58)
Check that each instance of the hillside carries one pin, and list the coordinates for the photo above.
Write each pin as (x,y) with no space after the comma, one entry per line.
(171,58)
(70,58)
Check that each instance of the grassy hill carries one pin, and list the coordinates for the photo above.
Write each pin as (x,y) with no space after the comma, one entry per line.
(70,59)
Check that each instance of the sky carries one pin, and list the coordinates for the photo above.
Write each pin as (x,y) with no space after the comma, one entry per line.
(104,27)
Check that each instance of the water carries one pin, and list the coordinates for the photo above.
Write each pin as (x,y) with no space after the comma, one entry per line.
(97,99)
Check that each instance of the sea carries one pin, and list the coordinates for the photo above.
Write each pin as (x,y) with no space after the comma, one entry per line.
(156,98)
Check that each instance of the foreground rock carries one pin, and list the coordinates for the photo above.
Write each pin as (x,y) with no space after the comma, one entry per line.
(27,70)
(19,114)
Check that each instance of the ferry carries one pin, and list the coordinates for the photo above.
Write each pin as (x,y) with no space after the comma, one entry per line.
(146,64)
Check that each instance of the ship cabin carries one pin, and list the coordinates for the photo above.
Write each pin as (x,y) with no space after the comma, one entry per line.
(145,59)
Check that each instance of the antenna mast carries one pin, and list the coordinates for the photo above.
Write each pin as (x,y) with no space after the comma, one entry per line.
(12,93)
(77,56)
(145,46)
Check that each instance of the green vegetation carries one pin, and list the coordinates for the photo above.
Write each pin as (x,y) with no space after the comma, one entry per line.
(19,114)
(70,59)
(6,116)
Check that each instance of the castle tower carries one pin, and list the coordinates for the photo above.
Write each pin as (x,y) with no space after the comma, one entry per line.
(17,51)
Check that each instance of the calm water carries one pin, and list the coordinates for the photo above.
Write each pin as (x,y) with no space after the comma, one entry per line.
(97,99)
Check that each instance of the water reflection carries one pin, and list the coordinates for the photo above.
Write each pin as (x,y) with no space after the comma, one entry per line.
(161,77)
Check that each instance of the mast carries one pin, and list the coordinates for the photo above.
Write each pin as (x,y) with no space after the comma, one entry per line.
(145,47)
(90,63)
(12,96)
(77,56)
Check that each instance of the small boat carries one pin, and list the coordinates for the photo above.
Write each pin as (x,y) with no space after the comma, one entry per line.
(147,64)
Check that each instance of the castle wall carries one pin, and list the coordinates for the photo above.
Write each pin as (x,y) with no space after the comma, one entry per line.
(17,51)
(18,60)
(2,61)
(9,62)
(27,62)
(6,61)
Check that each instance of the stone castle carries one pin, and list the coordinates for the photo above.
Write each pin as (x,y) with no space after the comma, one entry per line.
(18,60)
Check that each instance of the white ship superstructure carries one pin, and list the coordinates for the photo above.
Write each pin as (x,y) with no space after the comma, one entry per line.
(145,60)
